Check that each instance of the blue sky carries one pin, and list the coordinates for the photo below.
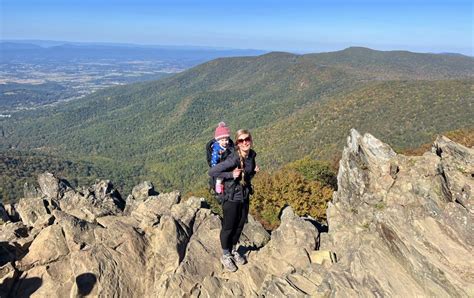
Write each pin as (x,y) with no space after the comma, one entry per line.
(292,25)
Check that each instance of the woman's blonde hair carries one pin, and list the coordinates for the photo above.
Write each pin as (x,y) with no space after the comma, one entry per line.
(242,132)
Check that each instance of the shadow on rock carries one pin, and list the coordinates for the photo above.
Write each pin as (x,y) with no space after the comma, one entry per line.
(9,252)
(85,283)
(27,286)
(6,286)
(243,250)
(322,228)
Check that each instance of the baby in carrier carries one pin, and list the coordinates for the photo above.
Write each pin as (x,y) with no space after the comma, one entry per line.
(220,148)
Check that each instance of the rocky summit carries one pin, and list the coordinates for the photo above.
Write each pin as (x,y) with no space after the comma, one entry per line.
(397,226)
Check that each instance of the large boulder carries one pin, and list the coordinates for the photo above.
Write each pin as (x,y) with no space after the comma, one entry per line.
(405,213)
(149,212)
(254,235)
(36,211)
(15,239)
(289,247)
(51,186)
(143,190)
(101,199)
(73,256)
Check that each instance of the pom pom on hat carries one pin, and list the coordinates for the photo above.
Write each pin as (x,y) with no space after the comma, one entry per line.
(222,131)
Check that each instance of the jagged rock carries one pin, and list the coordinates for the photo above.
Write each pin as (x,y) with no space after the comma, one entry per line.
(48,246)
(140,193)
(254,234)
(91,203)
(13,230)
(457,171)
(185,212)
(87,206)
(101,259)
(32,210)
(143,190)
(213,286)
(107,194)
(394,210)
(290,244)
(201,258)
(166,258)
(51,186)
(398,226)
(148,212)
(15,239)
(30,191)
(275,286)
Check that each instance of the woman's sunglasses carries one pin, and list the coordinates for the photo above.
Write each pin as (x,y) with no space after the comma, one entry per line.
(247,139)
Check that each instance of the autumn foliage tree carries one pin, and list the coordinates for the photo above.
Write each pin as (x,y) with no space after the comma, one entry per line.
(306,186)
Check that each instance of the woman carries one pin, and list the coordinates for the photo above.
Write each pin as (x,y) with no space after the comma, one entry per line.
(237,171)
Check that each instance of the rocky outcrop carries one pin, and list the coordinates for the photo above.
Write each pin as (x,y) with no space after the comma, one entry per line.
(398,226)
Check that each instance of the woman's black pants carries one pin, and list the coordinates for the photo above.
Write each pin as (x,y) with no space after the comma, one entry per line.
(234,218)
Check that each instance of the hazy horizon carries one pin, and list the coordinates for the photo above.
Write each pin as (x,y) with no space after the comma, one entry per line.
(297,26)
(51,43)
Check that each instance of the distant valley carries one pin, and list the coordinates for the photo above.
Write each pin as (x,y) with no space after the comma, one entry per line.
(39,73)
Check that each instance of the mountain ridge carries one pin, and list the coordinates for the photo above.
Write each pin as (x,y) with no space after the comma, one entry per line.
(162,126)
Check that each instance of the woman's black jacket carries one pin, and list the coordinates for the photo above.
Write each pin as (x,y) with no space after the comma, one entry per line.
(235,189)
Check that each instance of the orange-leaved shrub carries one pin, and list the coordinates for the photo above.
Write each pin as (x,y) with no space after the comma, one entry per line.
(288,186)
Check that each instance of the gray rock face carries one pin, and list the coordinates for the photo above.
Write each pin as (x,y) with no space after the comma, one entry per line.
(91,203)
(143,190)
(30,191)
(456,169)
(254,234)
(34,210)
(398,226)
(410,214)
(51,186)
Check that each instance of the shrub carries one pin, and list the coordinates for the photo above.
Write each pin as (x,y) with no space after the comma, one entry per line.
(315,170)
(285,187)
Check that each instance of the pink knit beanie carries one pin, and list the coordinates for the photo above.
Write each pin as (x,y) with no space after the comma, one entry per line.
(222,131)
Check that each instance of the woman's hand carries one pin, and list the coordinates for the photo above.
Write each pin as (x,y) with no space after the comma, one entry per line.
(236,173)
(257,168)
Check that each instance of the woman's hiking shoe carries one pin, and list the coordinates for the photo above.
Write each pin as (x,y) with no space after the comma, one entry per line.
(238,258)
(228,263)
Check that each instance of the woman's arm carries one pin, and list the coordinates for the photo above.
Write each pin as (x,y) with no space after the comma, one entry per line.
(224,169)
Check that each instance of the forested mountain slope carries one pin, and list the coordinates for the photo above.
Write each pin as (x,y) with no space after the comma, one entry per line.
(296,105)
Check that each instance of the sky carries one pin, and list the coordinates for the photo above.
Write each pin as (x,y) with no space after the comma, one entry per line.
(290,25)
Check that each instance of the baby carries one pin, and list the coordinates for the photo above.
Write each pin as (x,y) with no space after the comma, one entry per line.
(219,147)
